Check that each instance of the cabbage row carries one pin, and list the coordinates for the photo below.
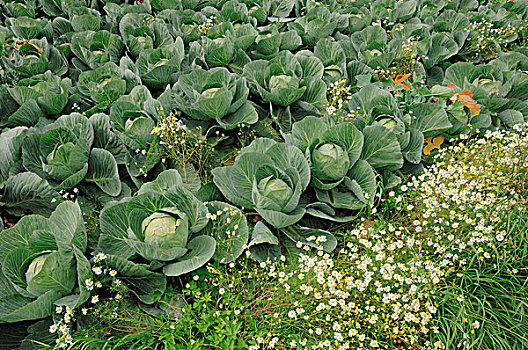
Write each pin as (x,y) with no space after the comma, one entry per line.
(83,84)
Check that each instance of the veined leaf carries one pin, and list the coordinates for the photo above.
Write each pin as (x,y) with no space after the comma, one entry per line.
(145,284)
(102,169)
(28,191)
(202,249)
(430,118)
(381,149)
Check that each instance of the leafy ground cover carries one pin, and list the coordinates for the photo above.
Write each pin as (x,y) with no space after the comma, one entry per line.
(441,265)
(263,174)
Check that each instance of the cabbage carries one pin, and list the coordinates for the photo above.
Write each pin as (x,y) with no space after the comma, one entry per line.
(167,226)
(330,162)
(35,267)
(276,190)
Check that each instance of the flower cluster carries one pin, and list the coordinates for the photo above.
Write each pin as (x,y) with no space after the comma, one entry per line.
(457,199)
(486,41)
(67,194)
(104,282)
(182,144)
(62,326)
(148,19)
(104,275)
(245,135)
(207,25)
(71,195)
(458,209)
(338,95)
(407,60)
(143,168)
(373,295)
(225,225)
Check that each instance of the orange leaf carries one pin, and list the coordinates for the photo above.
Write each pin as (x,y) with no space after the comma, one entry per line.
(433,143)
(471,104)
(466,97)
(35,46)
(466,92)
(399,80)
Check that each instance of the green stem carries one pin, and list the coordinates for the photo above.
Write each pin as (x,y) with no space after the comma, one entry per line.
(292,230)
(332,195)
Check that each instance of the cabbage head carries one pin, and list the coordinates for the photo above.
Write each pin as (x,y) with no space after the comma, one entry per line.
(330,162)
(43,264)
(35,267)
(268,177)
(166,227)
(166,224)
(276,190)
(228,43)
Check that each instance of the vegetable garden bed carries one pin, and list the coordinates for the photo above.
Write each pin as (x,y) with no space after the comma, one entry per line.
(156,155)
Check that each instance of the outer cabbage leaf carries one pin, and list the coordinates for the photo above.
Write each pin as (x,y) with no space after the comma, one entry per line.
(202,249)
(381,148)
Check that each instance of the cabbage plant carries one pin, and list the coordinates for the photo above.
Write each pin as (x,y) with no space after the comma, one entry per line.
(395,136)
(133,117)
(333,58)
(15,9)
(214,95)
(25,27)
(97,89)
(270,42)
(271,178)
(41,95)
(63,154)
(268,177)
(93,49)
(317,24)
(36,57)
(288,79)
(166,224)
(227,43)
(340,180)
(141,32)
(43,264)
